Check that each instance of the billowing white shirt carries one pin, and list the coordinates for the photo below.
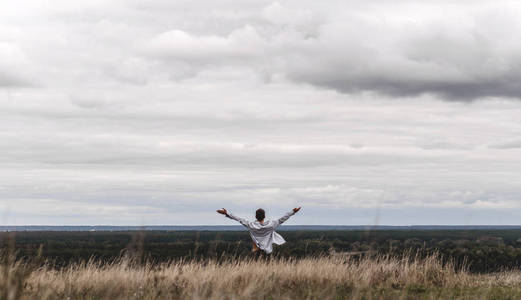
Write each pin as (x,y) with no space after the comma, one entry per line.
(263,234)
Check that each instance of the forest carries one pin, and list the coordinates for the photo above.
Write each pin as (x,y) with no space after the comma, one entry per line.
(476,250)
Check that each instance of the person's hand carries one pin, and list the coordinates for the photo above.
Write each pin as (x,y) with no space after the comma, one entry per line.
(296,209)
(222,211)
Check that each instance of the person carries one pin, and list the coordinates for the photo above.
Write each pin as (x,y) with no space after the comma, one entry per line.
(262,231)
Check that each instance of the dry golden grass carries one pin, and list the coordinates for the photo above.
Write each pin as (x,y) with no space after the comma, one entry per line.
(308,278)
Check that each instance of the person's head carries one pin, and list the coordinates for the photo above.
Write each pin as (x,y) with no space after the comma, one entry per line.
(260,214)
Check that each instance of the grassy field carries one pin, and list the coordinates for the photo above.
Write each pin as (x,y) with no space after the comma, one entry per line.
(451,264)
(326,277)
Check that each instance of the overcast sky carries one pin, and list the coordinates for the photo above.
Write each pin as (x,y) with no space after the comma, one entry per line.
(129,112)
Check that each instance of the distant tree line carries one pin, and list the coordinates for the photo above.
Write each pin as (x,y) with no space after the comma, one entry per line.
(479,250)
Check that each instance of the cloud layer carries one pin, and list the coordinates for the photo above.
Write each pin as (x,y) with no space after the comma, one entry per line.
(458,52)
(158,113)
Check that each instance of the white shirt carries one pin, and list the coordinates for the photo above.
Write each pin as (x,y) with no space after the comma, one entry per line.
(263,234)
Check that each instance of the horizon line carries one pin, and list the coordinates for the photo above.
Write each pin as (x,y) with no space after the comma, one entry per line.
(7,228)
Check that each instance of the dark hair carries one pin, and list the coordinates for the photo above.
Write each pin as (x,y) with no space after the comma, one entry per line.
(260,214)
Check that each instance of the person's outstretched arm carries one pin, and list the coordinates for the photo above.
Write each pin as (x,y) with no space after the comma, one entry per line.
(244,222)
(286,216)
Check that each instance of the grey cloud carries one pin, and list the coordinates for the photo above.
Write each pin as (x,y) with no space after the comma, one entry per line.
(456,52)
(479,88)
(157,152)
(13,80)
(515,144)
(432,55)
(6,81)
(456,59)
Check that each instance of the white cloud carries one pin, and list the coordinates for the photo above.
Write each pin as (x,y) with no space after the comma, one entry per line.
(240,44)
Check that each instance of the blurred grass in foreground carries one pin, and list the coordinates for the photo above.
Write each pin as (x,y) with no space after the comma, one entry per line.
(325,277)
